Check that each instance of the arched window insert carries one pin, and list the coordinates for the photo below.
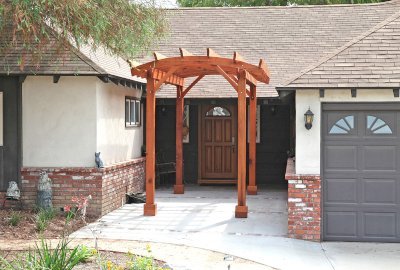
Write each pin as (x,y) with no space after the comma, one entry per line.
(343,125)
(377,125)
(219,112)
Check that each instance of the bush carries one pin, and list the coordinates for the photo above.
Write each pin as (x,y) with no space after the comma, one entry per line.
(15,218)
(43,257)
(43,217)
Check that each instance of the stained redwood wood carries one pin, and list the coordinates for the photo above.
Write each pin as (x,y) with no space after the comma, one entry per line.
(150,207)
(158,75)
(237,57)
(192,66)
(212,53)
(241,209)
(184,52)
(252,188)
(165,77)
(179,188)
(158,56)
(192,84)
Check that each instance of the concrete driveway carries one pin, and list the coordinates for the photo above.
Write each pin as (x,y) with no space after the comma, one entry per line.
(203,217)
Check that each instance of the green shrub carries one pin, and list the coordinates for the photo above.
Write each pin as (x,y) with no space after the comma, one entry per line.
(43,257)
(61,257)
(15,218)
(43,217)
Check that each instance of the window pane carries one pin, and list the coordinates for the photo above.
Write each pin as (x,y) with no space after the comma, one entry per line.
(218,111)
(137,112)
(127,121)
(133,112)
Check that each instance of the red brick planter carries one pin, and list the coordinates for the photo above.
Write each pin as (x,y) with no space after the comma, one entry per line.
(107,186)
(304,204)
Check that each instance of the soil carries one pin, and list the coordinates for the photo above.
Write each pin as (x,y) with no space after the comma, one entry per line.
(26,229)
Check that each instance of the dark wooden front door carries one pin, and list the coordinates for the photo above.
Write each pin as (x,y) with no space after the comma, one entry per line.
(217,144)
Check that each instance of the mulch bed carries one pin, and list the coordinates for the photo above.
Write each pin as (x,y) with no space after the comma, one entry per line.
(26,229)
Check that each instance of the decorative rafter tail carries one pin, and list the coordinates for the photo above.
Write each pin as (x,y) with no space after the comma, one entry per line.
(237,57)
(158,56)
(212,53)
(184,52)
(263,66)
(133,63)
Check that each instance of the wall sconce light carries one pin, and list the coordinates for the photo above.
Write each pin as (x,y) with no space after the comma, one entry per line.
(308,119)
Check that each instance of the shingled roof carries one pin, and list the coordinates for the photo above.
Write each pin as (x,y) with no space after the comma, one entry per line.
(66,61)
(370,60)
(290,39)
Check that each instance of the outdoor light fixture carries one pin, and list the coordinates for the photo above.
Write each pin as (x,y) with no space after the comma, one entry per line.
(308,119)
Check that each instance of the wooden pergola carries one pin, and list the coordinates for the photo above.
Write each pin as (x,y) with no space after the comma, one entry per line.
(174,71)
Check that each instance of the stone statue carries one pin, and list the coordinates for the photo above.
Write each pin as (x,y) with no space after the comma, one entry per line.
(45,193)
(99,162)
(13,191)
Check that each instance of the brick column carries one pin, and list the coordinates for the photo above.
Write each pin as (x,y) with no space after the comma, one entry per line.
(304,205)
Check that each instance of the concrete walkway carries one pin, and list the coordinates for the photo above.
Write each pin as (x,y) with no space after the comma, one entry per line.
(204,218)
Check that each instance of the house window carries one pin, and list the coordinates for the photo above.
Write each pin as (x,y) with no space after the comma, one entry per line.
(132,112)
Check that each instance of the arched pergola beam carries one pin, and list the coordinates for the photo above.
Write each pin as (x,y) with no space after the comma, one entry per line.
(193,66)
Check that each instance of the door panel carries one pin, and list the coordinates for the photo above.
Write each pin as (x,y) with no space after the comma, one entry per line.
(218,156)
(361,173)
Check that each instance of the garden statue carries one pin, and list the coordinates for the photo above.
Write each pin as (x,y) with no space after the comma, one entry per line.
(13,191)
(99,162)
(45,193)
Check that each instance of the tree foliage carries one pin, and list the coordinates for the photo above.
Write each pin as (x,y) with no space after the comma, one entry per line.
(247,3)
(121,27)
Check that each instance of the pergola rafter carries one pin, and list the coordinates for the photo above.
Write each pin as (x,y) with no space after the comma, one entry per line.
(174,71)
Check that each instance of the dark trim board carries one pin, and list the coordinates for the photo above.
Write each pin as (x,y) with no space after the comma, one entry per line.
(11,86)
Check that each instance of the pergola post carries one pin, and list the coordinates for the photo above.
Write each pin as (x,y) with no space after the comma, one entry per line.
(150,208)
(179,187)
(252,188)
(241,209)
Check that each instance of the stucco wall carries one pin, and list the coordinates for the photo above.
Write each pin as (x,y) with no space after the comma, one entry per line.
(1,118)
(115,141)
(59,121)
(308,141)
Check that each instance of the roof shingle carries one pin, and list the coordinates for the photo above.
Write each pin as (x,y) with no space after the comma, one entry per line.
(288,38)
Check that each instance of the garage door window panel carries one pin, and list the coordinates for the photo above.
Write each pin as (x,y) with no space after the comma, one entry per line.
(376,125)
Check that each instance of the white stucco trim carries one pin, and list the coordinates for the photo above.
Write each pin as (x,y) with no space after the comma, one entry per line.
(308,142)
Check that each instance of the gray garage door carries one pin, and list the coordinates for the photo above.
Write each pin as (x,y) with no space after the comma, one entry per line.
(361,172)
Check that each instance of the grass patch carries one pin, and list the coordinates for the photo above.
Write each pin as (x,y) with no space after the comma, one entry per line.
(15,218)
(43,217)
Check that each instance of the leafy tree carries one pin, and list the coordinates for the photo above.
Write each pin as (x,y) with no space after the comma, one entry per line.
(121,27)
(247,3)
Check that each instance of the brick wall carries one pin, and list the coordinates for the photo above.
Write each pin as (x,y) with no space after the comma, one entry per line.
(304,205)
(107,186)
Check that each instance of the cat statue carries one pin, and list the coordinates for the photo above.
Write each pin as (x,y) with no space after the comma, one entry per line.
(99,162)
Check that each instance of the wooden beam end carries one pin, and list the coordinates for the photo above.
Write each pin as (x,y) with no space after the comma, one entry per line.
(158,56)
(184,52)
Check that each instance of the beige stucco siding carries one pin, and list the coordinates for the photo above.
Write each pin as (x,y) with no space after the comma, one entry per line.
(59,121)
(308,142)
(116,142)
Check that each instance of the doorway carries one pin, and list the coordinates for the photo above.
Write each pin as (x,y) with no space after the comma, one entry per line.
(217,144)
